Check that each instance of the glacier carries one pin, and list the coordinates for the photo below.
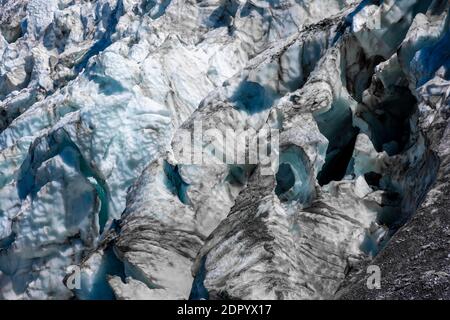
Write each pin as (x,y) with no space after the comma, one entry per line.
(96,97)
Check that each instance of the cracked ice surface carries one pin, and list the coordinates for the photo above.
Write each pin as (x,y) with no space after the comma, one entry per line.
(91,92)
(95,96)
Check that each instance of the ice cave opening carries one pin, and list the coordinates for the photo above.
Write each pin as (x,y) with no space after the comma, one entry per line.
(294,180)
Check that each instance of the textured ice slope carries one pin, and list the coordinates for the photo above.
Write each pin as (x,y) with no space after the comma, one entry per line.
(349,113)
(91,92)
(96,95)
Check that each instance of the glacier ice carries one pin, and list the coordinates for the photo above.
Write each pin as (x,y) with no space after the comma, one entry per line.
(96,98)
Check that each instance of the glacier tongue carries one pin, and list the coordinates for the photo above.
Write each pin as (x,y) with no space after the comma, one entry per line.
(96,98)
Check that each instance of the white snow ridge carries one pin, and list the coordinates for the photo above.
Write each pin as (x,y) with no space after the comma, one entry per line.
(97,97)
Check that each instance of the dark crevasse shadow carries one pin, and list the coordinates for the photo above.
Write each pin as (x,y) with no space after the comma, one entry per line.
(174,182)
(100,289)
(253,97)
(106,40)
(147,5)
(389,121)
(337,126)
(198,291)
(223,15)
(6,243)
(349,18)
(436,56)
(336,163)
